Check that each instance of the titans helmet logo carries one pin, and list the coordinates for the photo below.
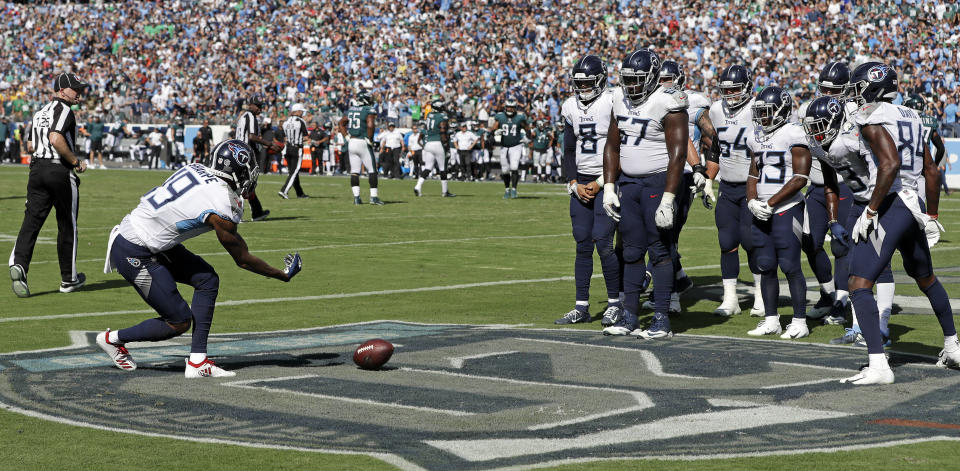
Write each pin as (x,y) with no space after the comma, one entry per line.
(877,72)
(833,107)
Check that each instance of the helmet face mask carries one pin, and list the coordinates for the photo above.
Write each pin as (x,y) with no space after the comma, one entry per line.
(833,80)
(735,82)
(771,109)
(639,75)
(823,120)
(672,72)
(510,106)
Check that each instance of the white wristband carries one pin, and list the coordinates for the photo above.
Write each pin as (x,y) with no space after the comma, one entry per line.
(600,180)
(609,187)
(668,197)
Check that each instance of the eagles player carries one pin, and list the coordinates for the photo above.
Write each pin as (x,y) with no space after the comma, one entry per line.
(647,164)
(890,137)
(511,125)
(930,134)
(542,147)
(360,122)
(779,169)
(586,118)
(147,249)
(437,131)
(733,118)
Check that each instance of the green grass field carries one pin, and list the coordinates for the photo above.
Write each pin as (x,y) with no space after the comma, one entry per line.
(512,253)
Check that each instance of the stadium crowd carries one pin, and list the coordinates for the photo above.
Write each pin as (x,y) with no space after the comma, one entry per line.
(157,61)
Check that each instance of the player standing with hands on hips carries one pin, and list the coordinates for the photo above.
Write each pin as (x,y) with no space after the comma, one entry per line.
(53,185)
(147,249)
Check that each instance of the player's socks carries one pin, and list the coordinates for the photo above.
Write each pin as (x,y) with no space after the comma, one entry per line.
(730,264)
(950,343)
(869,318)
(878,361)
(662,286)
(114,338)
(583,268)
(148,330)
(941,307)
(768,290)
(197,358)
(515,178)
(820,263)
(444,185)
(798,294)
(885,305)
(505,175)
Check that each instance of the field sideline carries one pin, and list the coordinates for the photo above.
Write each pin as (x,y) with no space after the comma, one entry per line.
(474,259)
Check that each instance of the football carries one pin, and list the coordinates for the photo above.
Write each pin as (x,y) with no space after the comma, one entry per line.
(373,354)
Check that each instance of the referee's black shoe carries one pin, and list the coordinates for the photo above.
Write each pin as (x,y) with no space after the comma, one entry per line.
(71,286)
(19,278)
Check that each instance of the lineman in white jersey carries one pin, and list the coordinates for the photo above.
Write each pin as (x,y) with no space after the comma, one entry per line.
(779,169)
(647,164)
(146,248)
(586,117)
(892,219)
(733,118)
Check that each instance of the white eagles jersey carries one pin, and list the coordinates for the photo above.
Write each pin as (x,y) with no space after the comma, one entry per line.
(906,130)
(774,154)
(643,145)
(590,124)
(859,173)
(177,210)
(732,131)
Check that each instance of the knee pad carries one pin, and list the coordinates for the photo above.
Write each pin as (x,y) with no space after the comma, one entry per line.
(180,327)
(763,263)
(585,247)
(633,254)
(581,234)
(208,281)
(789,266)
(729,238)
(604,247)
(354,179)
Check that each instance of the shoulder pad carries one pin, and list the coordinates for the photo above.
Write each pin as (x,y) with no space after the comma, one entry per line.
(675,100)
(867,114)
(698,100)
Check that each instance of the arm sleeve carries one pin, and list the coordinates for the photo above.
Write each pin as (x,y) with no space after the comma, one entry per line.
(569,152)
(938,144)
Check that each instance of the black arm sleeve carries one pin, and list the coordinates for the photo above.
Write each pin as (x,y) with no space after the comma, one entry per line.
(569,153)
(938,144)
(714,154)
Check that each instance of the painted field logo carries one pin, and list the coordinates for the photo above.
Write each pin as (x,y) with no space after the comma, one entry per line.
(473,397)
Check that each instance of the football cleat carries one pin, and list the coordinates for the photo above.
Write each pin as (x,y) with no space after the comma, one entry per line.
(758,310)
(796,330)
(375,201)
(283,195)
(682,285)
(659,328)
(626,324)
(117,352)
(19,278)
(416,191)
(949,359)
(513,193)
(768,326)
(506,194)
(823,307)
(357,201)
(611,315)
(729,307)
(262,215)
(675,307)
(303,196)
(447,194)
(205,369)
(837,316)
(870,376)
(71,286)
(575,316)
(850,336)
(862,342)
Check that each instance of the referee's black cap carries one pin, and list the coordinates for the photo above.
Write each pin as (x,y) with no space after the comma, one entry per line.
(69,80)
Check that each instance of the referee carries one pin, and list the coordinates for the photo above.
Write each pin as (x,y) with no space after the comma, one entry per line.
(294,130)
(52,185)
(248,130)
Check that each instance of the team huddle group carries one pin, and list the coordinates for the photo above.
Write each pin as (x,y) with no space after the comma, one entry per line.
(632,157)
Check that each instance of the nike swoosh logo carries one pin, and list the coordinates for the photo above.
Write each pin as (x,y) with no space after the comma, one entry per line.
(781,214)
(843,198)
(654,196)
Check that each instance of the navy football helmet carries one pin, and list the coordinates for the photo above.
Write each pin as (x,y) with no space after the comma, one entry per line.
(735,84)
(823,120)
(510,105)
(772,108)
(672,71)
(916,102)
(589,77)
(872,82)
(834,79)
(639,74)
(235,162)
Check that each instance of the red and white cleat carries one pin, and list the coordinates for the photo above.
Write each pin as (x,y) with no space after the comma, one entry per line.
(205,369)
(117,352)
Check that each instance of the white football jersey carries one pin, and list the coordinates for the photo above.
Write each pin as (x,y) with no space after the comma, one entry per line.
(699,103)
(590,124)
(774,154)
(643,145)
(732,131)
(177,210)
(844,157)
(905,128)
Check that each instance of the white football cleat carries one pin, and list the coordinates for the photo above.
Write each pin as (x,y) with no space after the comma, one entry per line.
(870,376)
(949,359)
(205,369)
(675,307)
(758,310)
(117,352)
(796,330)
(768,326)
(729,307)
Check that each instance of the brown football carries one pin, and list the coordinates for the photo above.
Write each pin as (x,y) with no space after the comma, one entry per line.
(373,354)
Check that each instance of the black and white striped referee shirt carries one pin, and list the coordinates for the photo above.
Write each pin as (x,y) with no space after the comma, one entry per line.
(294,128)
(248,125)
(54,116)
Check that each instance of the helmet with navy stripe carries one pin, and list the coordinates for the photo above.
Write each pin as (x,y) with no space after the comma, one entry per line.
(589,77)
(735,84)
(834,79)
(823,119)
(672,71)
(639,74)
(872,82)
(235,162)
(772,108)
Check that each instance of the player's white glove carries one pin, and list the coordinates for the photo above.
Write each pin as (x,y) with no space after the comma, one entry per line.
(611,202)
(699,178)
(292,265)
(932,230)
(572,188)
(708,197)
(760,209)
(665,212)
(865,224)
